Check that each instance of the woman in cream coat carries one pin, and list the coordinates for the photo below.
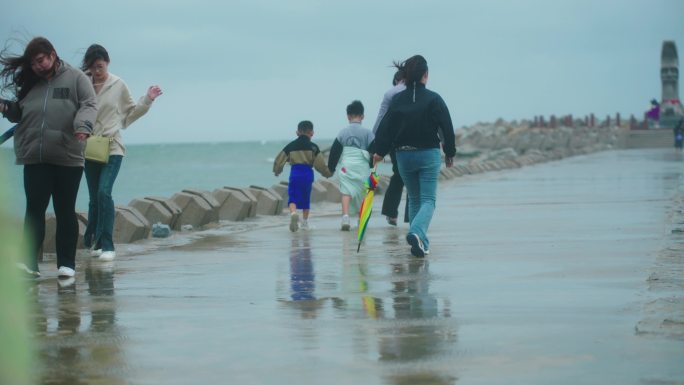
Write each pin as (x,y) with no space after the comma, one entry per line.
(116,111)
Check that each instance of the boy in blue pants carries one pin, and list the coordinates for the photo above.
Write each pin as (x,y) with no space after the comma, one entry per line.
(303,155)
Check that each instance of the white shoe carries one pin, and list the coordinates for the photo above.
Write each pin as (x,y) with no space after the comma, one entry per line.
(107,256)
(345,223)
(65,272)
(417,247)
(304,225)
(95,253)
(294,222)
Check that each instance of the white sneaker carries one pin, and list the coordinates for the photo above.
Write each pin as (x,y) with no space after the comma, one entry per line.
(345,223)
(65,272)
(417,247)
(304,225)
(294,222)
(107,256)
(95,253)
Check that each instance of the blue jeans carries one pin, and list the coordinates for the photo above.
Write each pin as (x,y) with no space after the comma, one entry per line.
(419,170)
(100,178)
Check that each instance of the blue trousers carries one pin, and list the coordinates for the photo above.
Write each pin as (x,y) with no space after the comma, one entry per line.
(419,170)
(300,186)
(100,178)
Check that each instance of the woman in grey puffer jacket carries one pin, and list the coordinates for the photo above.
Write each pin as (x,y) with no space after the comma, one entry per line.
(55,109)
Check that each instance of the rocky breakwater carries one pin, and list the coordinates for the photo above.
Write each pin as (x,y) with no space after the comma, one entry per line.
(495,146)
(482,147)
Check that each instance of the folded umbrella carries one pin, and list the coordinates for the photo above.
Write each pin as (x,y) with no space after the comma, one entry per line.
(367,205)
(7,134)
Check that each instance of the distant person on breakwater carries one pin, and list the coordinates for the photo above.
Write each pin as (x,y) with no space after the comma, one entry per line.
(117,111)
(653,114)
(417,120)
(303,155)
(55,109)
(679,134)
(351,151)
(392,199)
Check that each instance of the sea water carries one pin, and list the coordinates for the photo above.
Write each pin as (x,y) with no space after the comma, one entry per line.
(165,169)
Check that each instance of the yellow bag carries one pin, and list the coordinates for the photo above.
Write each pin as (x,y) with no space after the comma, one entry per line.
(97,149)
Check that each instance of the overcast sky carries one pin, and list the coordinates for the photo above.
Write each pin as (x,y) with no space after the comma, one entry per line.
(251,70)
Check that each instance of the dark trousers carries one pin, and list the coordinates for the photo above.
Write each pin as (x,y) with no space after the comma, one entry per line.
(392,199)
(42,181)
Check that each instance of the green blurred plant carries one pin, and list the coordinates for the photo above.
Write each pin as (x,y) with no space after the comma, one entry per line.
(15,347)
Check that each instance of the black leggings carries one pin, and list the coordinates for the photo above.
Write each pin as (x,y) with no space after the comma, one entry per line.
(42,181)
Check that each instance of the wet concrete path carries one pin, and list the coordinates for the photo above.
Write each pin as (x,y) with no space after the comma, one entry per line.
(541,275)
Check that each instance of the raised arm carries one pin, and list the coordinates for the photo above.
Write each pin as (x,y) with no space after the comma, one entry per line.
(134,110)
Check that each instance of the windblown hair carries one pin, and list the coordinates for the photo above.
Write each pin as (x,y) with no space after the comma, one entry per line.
(305,126)
(355,108)
(93,53)
(414,68)
(17,74)
(398,76)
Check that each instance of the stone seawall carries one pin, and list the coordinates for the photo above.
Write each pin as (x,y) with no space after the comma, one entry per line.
(481,148)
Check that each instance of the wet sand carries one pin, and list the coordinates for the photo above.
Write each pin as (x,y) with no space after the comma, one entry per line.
(568,272)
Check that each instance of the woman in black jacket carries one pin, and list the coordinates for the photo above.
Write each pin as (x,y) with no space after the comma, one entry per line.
(414,125)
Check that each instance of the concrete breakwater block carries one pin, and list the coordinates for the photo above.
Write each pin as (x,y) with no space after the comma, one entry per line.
(474,168)
(170,207)
(456,171)
(51,231)
(281,189)
(333,193)
(153,211)
(318,192)
(490,166)
(444,174)
(233,205)
(209,198)
(247,193)
(449,173)
(129,225)
(196,211)
(269,202)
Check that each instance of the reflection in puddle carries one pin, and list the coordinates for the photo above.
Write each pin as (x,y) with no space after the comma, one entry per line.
(79,342)
(392,317)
